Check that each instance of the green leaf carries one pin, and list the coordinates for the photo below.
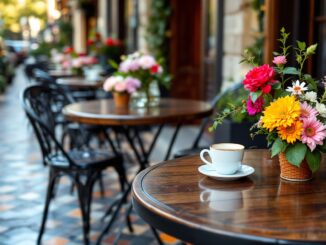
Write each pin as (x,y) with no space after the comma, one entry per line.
(276,53)
(311,49)
(255,95)
(296,153)
(291,71)
(278,146)
(301,45)
(113,64)
(313,159)
(277,86)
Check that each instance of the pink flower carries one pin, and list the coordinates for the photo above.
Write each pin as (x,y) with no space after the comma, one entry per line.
(129,65)
(66,64)
(147,62)
(110,83)
(120,87)
(254,108)
(132,84)
(307,111)
(313,133)
(279,60)
(260,78)
(77,63)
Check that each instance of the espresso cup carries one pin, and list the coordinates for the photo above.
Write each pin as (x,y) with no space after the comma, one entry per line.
(226,158)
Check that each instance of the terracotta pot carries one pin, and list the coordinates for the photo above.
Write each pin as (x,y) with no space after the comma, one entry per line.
(294,173)
(121,99)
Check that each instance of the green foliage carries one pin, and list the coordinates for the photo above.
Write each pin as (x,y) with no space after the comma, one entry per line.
(43,49)
(65,33)
(231,101)
(296,153)
(313,159)
(278,147)
(158,30)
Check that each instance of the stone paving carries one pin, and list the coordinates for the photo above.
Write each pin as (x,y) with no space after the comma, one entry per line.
(23,181)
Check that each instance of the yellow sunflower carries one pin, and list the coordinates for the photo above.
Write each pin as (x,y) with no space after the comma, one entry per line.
(291,133)
(282,112)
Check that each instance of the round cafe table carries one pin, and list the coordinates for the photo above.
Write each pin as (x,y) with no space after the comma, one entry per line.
(169,111)
(259,209)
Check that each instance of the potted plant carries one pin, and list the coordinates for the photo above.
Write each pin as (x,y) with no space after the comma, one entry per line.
(149,72)
(121,88)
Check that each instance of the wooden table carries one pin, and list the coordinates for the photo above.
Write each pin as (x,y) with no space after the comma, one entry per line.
(175,198)
(103,112)
(61,73)
(79,83)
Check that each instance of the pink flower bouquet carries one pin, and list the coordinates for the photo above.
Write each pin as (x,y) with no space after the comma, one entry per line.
(119,84)
(144,68)
(290,105)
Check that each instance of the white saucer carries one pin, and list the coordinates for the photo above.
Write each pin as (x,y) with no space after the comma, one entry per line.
(210,172)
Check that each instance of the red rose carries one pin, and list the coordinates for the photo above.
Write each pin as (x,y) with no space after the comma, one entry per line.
(109,42)
(154,69)
(112,42)
(260,78)
(68,50)
(90,42)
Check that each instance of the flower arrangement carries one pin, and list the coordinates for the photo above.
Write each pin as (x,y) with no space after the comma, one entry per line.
(120,84)
(290,105)
(145,69)
(70,60)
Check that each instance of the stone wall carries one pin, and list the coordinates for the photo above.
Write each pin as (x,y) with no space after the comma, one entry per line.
(240,28)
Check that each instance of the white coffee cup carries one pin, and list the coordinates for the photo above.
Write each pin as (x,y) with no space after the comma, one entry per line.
(226,158)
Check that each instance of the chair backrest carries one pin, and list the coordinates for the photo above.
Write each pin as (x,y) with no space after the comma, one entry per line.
(43,105)
(214,102)
(43,77)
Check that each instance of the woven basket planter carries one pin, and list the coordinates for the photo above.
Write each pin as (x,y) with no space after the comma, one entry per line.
(294,173)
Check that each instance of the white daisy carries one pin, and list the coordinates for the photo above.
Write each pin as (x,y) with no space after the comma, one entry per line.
(321,108)
(297,88)
(311,96)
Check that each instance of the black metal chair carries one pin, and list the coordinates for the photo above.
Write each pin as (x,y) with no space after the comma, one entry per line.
(83,165)
(196,148)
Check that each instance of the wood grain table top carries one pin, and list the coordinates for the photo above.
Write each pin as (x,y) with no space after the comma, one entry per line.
(103,112)
(261,208)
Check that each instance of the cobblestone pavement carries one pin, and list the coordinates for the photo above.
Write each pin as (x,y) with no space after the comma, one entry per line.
(23,181)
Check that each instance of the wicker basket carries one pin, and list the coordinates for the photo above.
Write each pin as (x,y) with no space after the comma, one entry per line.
(294,173)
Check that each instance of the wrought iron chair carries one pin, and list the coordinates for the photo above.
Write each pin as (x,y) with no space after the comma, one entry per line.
(83,165)
(196,148)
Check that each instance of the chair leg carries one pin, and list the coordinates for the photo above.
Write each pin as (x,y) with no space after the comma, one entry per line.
(122,176)
(49,195)
(101,183)
(85,192)
(128,220)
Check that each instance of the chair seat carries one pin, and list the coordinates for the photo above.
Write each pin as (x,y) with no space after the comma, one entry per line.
(188,152)
(85,159)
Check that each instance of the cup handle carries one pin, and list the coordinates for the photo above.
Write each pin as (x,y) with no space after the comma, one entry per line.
(204,196)
(202,157)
